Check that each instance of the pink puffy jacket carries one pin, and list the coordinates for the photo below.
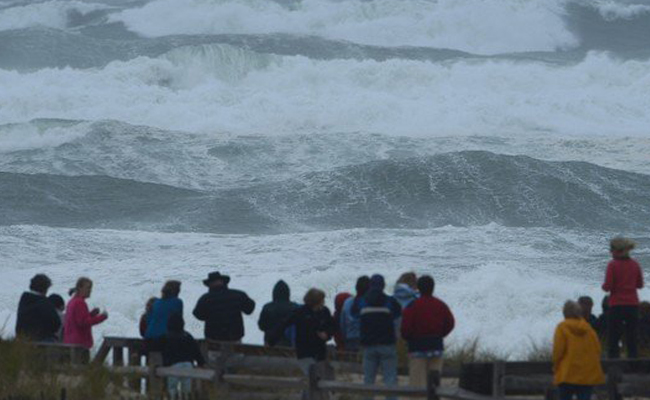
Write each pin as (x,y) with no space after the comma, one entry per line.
(77,327)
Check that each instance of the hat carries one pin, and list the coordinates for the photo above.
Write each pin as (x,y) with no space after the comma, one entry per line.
(377,282)
(216,276)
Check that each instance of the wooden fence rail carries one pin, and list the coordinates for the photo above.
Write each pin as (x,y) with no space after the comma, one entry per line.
(238,367)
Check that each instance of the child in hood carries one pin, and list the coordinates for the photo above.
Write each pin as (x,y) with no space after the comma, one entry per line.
(576,355)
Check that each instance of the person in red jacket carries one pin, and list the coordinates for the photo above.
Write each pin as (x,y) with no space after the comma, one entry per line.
(623,278)
(425,324)
(77,328)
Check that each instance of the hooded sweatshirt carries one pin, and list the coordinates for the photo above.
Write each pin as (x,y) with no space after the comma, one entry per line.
(623,278)
(37,318)
(404,294)
(276,312)
(576,354)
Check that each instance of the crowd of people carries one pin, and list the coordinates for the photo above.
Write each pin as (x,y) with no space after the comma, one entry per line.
(369,321)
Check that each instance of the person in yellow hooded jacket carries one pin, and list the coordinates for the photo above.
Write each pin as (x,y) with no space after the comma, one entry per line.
(576,355)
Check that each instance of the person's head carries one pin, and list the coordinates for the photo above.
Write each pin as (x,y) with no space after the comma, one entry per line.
(587,305)
(216,280)
(149,306)
(314,299)
(171,289)
(377,282)
(362,286)
(57,301)
(572,310)
(281,291)
(620,247)
(83,288)
(426,284)
(40,283)
(409,279)
(175,323)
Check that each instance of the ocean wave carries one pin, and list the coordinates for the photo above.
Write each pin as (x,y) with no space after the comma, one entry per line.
(458,189)
(243,92)
(484,27)
(51,14)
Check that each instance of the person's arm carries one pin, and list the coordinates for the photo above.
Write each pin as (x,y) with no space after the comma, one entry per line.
(639,279)
(277,333)
(263,321)
(200,310)
(343,321)
(248,305)
(609,278)
(450,321)
(396,308)
(180,307)
(83,318)
(559,348)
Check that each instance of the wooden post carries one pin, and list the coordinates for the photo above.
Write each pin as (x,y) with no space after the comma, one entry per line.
(498,372)
(118,356)
(614,375)
(433,381)
(134,360)
(318,371)
(155,383)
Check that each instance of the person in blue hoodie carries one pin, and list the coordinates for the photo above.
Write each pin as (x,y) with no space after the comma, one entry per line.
(406,289)
(163,308)
(350,324)
(378,314)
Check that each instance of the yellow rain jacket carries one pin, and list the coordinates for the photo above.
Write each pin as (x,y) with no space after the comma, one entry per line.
(576,354)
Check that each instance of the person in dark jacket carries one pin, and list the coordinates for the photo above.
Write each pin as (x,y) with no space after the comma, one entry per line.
(221,309)
(378,313)
(37,317)
(601,322)
(425,324)
(623,278)
(314,328)
(587,305)
(276,312)
(162,309)
(59,305)
(179,349)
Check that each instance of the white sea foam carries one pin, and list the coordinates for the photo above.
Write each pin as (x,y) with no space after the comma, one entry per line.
(612,10)
(488,26)
(50,14)
(241,92)
(508,301)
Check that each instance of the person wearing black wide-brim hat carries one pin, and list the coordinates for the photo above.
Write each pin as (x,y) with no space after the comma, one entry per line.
(221,309)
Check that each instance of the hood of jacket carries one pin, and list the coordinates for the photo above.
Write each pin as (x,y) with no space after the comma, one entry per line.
(339,300)
(576,327)
(281,291)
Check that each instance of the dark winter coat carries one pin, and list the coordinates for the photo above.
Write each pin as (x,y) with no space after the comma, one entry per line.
(378,314)
(180,347)
(221,309)
(37,318)
(307,323)
(276,312)
(425,323)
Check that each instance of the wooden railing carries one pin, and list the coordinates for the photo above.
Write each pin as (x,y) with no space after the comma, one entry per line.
(238,367)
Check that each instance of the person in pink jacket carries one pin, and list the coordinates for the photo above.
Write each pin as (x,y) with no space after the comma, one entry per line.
(77,327)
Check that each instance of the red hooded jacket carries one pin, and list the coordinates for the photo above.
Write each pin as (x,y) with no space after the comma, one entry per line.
(623,278)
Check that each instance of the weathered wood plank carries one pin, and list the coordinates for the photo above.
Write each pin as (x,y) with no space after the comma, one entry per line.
(379,390)
(277,382)
(192,373)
